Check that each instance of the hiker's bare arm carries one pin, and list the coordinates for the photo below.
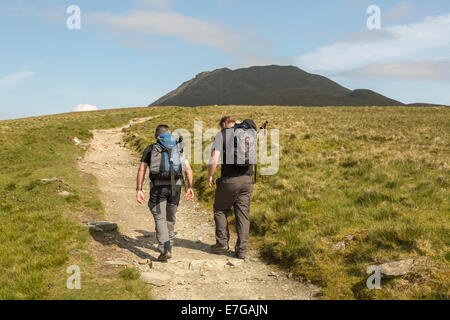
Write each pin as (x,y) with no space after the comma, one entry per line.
(190,180)
(212,166)
(189,176)
(141,175)
(140,197)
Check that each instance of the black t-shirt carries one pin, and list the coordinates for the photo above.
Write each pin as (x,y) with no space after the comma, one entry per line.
(229,170)
(146,155)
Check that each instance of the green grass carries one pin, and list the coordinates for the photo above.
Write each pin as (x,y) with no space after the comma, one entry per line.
(129,274)
(379,174)
(38,227)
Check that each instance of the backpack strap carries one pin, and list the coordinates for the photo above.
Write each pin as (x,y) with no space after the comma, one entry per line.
(169,153)
(152,146)
(224,146)
(172,171)
(163,149)
(180,148)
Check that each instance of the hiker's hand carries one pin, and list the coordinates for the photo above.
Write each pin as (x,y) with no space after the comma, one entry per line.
(140,197)
(190,194)
(211,181)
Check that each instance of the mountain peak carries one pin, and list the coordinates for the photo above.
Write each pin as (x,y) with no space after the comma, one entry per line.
(268,85)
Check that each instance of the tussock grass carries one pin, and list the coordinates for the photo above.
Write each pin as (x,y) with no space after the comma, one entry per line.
(378,174)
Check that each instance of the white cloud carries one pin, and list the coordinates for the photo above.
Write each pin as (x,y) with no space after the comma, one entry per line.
(84,107)
(436,69)
(363,36)
(419,40)
(246,47)
(15,78)
(156,17)
(169,24)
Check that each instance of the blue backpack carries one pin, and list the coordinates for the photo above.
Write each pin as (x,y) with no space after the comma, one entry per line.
(167,159)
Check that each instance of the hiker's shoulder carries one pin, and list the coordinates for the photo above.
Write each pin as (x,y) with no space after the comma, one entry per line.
(149,148)
(224,131)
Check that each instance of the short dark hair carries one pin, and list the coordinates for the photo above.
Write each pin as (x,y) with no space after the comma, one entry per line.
(227,120)
(162,128)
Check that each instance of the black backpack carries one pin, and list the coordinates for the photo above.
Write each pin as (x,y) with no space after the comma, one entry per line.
(241,139)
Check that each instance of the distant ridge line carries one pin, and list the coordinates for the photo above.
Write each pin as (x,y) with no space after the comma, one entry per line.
(268,85)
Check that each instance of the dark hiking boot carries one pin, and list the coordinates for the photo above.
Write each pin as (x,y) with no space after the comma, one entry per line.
(167,251)
(217,248)
(163,257)
(239,255)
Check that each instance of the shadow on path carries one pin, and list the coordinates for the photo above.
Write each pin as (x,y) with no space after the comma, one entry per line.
(146,241)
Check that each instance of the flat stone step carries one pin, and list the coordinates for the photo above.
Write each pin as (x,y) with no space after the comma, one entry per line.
(155,278)
(102,226)
(397,268)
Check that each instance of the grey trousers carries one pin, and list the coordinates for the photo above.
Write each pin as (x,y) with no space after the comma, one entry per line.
(233,192)
(163,205)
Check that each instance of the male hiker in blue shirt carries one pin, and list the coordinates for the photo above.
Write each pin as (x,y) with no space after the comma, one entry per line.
(167,164)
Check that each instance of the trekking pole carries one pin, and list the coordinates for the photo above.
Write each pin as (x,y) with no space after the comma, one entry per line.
(180,140)
(263,127)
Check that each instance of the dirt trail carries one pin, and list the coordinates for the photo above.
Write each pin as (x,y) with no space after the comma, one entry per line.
(193,272)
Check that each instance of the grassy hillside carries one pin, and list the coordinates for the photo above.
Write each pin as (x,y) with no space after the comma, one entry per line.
(39,229)
(378,174)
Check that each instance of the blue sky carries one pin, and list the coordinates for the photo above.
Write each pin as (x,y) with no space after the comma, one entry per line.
(130,52)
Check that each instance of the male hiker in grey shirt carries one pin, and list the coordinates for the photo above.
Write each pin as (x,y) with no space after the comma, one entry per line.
(234,189)
(167,163)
